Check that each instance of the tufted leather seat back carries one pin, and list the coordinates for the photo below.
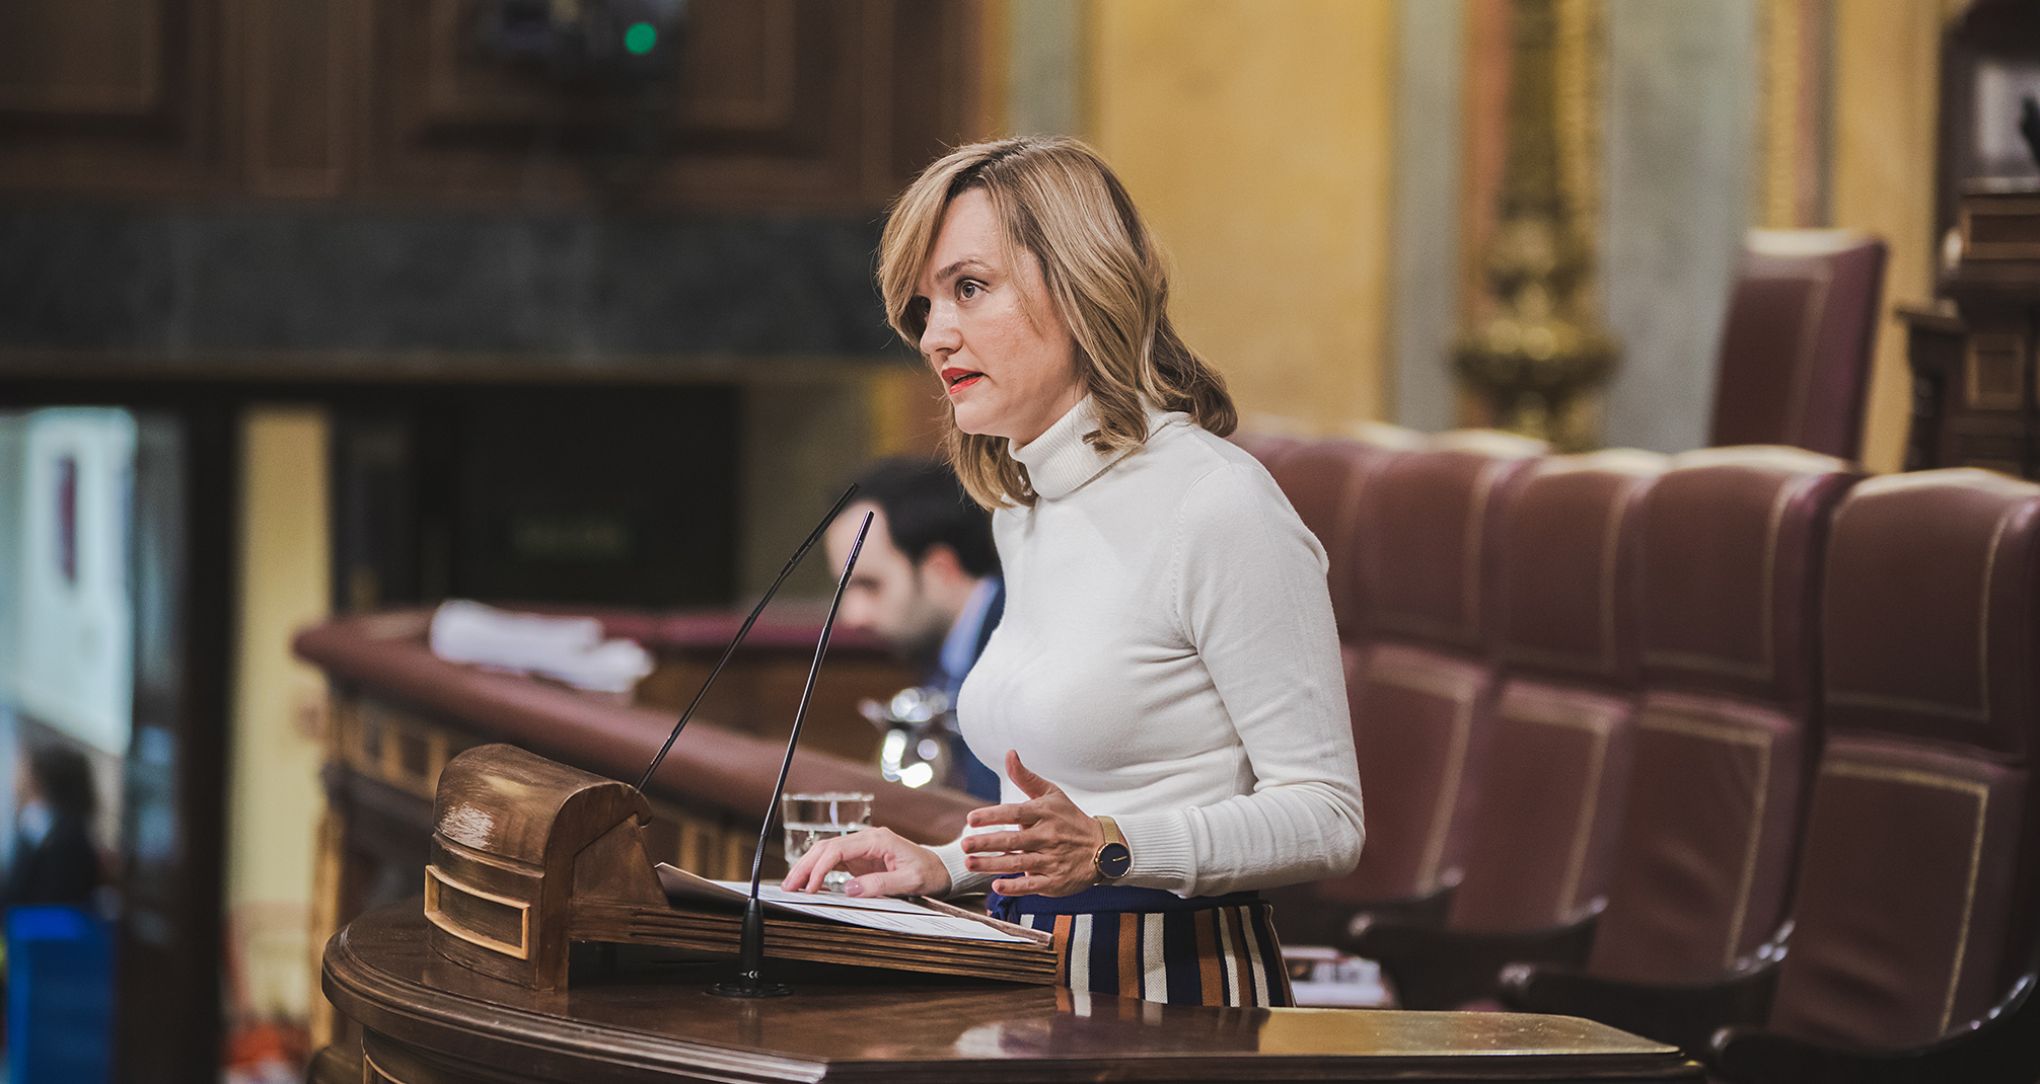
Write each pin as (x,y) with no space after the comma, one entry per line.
(1914,898)
(1418,681)
(1732,545)
(1269,448)
(1552,782)
(1796,346)
(1323,480)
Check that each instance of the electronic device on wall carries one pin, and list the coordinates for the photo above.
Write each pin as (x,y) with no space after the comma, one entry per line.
(615,42)
(618,60)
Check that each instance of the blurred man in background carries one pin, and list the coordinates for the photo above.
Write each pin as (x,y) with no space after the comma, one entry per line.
(927,582)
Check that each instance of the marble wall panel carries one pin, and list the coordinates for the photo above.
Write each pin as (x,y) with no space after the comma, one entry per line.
(1425,308)
(568,290)
(1681,140)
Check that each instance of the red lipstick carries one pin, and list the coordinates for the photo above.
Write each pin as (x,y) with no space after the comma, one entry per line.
(957,378)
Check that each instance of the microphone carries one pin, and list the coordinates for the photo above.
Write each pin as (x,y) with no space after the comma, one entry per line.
(745,630)
(750,979)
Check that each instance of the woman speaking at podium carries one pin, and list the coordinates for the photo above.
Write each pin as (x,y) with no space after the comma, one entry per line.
(1165,690)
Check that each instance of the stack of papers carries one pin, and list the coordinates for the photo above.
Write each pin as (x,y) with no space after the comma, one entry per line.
(912,934)
(897,915)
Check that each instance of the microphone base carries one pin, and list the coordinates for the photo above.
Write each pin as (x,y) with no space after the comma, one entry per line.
(748,988)
(749,981)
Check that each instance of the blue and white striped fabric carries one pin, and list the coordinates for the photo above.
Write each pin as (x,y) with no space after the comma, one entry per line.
(1157,946)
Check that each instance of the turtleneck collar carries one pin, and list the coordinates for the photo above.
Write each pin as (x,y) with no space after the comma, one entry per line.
(1060,460)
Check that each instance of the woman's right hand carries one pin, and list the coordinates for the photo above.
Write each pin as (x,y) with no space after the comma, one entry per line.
(883,862)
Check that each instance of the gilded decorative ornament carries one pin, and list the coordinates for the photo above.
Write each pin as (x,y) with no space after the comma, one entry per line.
(1541,359)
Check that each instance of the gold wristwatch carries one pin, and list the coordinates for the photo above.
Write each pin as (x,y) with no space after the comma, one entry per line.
(1114,858)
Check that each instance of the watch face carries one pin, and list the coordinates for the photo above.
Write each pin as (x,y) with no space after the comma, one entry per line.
(1114,860)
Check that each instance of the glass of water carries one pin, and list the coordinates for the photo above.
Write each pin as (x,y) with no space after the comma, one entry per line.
(812,818)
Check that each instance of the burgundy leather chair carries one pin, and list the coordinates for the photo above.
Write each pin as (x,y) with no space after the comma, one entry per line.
(1796,345)
(1733,546)
(1269,448)
(1537,843)
(1733,542)
(1323,480)
(1911,950)
(1417,675)
(1914,908)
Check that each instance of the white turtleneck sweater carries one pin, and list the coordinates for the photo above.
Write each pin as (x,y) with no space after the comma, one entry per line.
(1168,658)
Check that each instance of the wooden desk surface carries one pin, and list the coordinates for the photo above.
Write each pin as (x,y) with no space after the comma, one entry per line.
(429,1020)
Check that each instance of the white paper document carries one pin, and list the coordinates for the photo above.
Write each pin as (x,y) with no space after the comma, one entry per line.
(896,915)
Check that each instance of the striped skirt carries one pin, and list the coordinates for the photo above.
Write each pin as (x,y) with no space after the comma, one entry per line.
(1157,946)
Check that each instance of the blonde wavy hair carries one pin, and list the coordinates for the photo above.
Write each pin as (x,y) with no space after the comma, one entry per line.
(1057,199)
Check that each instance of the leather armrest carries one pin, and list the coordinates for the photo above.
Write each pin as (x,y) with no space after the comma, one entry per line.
(2003,1045)
(1435,967)
(1682,1014)
(1305,919)
(1425,910)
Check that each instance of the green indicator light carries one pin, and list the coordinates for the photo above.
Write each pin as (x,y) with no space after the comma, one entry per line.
(640,38)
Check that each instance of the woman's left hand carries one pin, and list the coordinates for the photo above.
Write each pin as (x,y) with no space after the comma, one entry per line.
(1053,852)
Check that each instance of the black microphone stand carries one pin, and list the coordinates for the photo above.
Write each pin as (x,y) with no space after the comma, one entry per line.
(745,630)
(750,978)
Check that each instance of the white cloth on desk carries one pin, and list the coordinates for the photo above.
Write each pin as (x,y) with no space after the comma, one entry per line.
(567,649)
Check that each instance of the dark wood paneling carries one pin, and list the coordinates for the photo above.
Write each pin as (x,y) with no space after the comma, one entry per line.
(87,58)
(1976,377)
(298,66)
(109,96)
(775,104)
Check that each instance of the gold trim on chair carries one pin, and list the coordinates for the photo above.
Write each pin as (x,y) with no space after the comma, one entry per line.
(1472,548)
(1583,829)
(1462,697)
(1448,795)
(1346,520)
(1937,781)
(1691,725)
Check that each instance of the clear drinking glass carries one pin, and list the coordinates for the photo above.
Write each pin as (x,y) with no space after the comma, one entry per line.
(812,818)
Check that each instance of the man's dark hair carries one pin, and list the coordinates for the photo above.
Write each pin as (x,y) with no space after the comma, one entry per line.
(64,778)
(924,504)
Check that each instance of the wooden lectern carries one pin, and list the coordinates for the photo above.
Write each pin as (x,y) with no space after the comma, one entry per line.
(529,856)
(422,1019)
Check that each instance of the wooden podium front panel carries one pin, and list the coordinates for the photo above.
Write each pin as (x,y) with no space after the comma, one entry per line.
(425,1020)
